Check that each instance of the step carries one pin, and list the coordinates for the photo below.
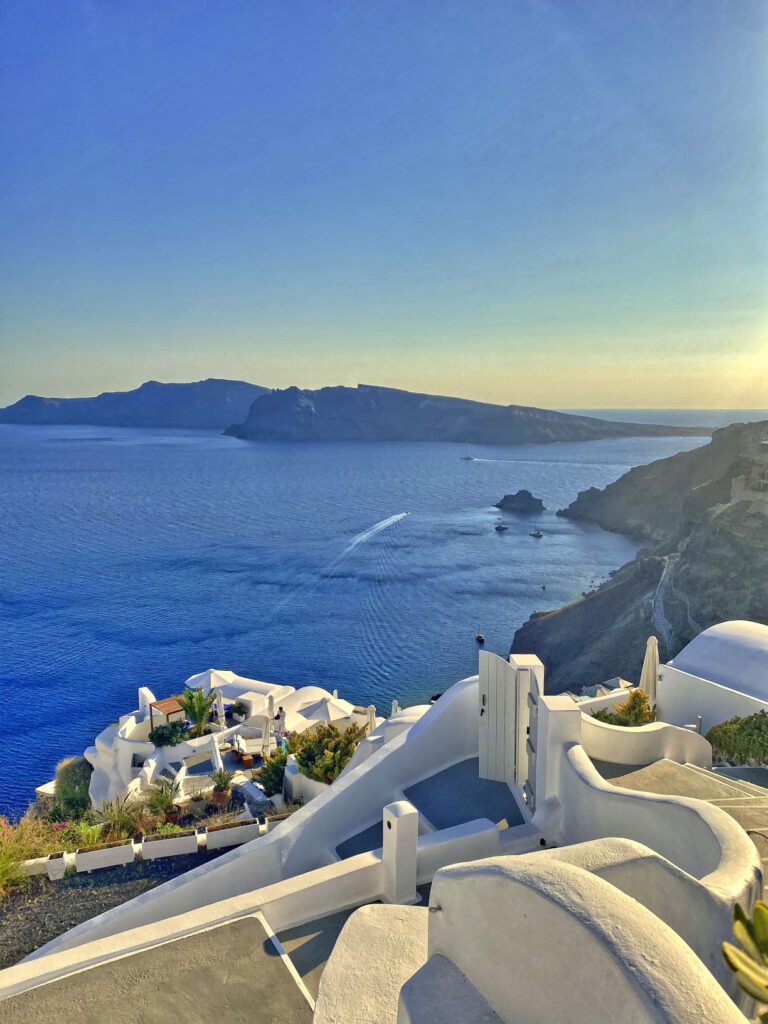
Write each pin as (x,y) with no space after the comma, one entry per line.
(735,784)
(750,775)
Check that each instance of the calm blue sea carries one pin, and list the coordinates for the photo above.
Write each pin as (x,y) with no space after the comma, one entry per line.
(132,557)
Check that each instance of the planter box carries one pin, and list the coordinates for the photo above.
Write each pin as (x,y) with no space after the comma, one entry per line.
(37,866)
(108,856)
(168,846)
(56,866)
(219,836)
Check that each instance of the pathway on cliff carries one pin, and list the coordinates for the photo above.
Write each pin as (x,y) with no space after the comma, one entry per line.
(660,620)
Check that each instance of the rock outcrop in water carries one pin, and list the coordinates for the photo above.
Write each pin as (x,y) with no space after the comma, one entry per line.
(522,503)
(705,514)
(369,413)
(202,405)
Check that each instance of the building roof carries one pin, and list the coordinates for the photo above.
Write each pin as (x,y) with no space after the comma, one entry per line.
(167,706)
(733,654)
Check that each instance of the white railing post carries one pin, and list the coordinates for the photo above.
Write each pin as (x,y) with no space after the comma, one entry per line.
(400,848)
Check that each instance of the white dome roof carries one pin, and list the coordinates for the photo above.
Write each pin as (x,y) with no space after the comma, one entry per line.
(734,654)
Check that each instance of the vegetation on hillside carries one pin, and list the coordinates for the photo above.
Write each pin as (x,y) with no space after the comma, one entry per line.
(73,776)
(634,711)
(741,740)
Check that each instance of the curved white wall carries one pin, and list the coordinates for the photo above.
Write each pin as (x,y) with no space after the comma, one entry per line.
(525,932)
(644,744)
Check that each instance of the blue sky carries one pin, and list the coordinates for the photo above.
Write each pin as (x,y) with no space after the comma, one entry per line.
(562,204)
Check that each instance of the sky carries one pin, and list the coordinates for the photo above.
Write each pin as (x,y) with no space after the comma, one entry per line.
(561,204)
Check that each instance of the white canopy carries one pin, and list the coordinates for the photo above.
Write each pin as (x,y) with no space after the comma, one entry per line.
(324,710)
(233,686)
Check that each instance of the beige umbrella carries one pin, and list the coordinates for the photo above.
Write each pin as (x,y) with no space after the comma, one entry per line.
(650,671)
(371,723)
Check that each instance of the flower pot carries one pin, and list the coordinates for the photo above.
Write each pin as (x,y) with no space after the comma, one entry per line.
(56,866)
(172,815)
(221,797)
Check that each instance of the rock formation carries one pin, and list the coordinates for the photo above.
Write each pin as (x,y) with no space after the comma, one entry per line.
(522,502)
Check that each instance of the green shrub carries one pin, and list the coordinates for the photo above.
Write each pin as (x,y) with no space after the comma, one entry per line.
(10,873)
(272,772)
(322,752)
(632,712)
(240,708)
(743,739)
(89,835)
(167,829)
(168,735)
(73,776)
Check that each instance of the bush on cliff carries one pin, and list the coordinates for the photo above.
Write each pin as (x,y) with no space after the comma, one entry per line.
(634,711)
(73,776)
(742,739)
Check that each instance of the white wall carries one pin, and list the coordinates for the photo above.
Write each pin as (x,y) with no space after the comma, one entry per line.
(682,697)
(524,932)
(644,744)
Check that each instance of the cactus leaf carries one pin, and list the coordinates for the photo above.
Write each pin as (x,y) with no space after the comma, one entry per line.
(745,937)
(760,922)
(751,976)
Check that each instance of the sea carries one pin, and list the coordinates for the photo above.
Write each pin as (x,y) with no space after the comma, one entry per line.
(138,557)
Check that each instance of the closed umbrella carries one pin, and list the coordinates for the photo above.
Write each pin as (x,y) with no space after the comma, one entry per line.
(650,671)
(371,718)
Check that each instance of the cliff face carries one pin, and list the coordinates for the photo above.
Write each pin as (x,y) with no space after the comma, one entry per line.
(706,513)
(203,405)
(385,414)
(651,501)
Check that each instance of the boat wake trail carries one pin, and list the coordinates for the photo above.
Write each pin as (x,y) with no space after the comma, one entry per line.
(361,538)
(314,579)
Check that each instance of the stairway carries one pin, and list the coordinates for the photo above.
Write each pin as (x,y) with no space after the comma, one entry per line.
(741,792)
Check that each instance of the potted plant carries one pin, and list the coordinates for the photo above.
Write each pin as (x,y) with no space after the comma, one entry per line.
(162,800)
(239,711)
(221,789)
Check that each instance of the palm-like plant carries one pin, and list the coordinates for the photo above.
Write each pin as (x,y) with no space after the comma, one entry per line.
(163,797)
(197,707)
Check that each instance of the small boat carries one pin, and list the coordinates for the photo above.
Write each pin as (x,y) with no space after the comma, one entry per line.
(500,527)
(536,533)
(480,638)
(467,458)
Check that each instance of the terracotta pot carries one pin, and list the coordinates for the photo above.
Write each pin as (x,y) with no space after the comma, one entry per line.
(221,797)
(172,816)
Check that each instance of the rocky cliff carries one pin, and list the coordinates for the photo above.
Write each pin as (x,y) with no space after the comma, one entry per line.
(202,405)
(705,513)
(369,413)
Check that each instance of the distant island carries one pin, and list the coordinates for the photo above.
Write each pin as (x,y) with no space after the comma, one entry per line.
(522,502)
(368,413)
(704,514)
(203,405)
